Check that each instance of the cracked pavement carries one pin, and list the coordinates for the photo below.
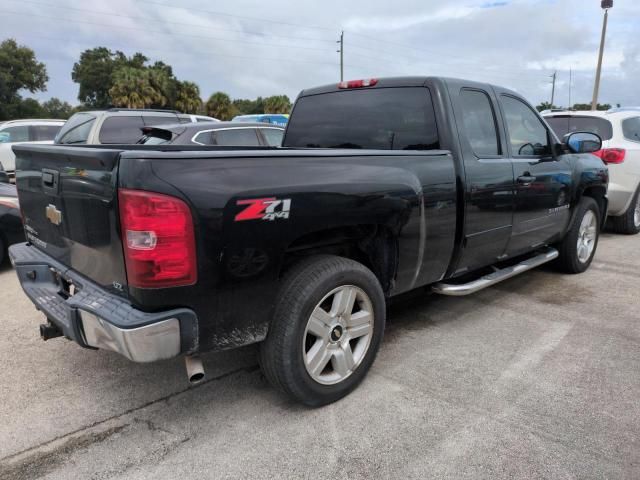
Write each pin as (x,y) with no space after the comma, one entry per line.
(537,377)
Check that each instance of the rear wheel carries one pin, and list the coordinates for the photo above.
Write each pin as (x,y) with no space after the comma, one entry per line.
(326,330)
(629,222)
(579,244)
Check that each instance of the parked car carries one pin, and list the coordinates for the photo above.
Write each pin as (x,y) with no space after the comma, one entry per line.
(214,133)
(188,118)
(13,132)
(272,118)
(175,250)
(620,131)
(11,230)
(113,126)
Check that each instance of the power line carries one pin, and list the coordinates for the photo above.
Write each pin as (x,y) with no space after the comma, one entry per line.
(214,12)
(150,20)
(161,32)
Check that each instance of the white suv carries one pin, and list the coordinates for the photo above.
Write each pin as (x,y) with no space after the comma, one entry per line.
(13,132)
(619,129)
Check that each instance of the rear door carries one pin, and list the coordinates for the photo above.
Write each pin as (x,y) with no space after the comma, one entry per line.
(68,201)
(489,182)
(544,182)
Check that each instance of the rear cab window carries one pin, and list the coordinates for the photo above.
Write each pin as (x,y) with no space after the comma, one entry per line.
(398,118)
(76,129)
(273,136)
(565,124)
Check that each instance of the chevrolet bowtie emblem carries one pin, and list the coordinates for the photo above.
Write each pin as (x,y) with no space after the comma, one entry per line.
(53,214)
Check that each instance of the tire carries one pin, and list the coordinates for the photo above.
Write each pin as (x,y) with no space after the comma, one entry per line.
(629,222)
(3,250)
(579,245)
(345,339)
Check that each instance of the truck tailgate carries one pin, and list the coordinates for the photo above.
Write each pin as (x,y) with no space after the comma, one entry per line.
(68,198)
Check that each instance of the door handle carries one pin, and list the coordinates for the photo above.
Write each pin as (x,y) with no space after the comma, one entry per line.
(526,180)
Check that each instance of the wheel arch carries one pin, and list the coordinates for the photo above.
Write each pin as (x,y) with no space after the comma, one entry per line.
(373,245)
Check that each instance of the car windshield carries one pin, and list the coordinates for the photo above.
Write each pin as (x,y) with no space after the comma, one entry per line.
(76,129)
(564,124)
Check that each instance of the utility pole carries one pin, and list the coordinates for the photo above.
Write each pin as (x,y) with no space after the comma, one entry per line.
(341,51)
(570,82)
(606,5)
(553,88)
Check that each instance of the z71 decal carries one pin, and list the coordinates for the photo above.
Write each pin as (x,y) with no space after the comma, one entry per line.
(264,209)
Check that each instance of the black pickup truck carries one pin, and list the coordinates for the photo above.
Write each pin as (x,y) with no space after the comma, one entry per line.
(383,186)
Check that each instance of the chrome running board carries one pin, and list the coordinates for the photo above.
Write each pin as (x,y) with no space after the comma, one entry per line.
(498,276)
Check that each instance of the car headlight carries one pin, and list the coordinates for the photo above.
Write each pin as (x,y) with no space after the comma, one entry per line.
(11,202)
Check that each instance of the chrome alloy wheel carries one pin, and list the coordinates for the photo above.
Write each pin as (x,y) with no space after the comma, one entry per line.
(338,334)
(636,213)
(587,236)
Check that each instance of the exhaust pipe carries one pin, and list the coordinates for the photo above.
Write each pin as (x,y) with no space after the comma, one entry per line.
(49,330)
(195,370)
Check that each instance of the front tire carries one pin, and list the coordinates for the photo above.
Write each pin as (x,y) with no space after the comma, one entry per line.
(578,247)
(629,222)
(326,330)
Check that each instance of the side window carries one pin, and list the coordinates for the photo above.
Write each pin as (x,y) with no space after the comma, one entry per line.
(41,133)
(273,136)
(121,129)
(19,133)
(479,123)
(152,120)
(76,129)
(631,129)
(243,137)
(527,134)
(205,138)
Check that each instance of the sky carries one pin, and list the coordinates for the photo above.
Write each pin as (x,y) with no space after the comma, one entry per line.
(255,48)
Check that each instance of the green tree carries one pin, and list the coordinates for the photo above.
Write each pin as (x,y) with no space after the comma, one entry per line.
(94,74)
(19,70)
(188,98)
(587,106)
(277,104)
(545,106)
(219,106)
(132,88)
(56,108)
(28,108)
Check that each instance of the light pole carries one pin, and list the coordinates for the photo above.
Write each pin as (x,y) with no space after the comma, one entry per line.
(606,5)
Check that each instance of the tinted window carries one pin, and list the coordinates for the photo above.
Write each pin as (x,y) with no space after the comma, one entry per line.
(245,137)
(158,120)
(76,129)
(119,129)
(43,133)
(204,138)
(273,136)
(631,129)
(527,133)
(19,133)
(563,124)
(479,122)
(381,118)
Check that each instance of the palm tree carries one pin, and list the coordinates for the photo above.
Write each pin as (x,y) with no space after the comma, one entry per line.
(277,104)
(132,88)
(219,106)
(188,98)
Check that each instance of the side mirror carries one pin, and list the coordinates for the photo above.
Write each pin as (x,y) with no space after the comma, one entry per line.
(583,142)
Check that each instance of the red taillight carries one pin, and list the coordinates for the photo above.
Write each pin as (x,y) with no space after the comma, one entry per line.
(611,155)
(158,239)
(368,82)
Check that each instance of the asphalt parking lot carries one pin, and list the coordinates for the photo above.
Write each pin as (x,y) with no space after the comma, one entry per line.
(538,377)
